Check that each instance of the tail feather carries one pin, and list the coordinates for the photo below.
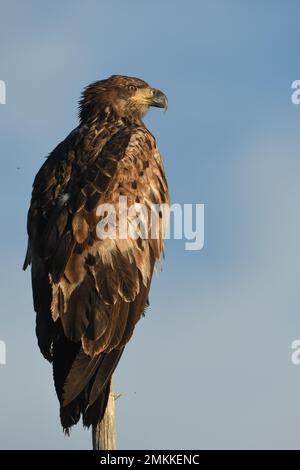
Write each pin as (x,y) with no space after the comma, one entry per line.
(81,373)
(104,373)
(82,383)
(95,412)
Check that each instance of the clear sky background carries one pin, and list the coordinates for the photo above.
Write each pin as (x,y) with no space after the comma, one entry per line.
(210,365)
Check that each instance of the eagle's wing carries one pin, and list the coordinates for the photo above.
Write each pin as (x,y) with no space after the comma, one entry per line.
(46,223)
(96,289)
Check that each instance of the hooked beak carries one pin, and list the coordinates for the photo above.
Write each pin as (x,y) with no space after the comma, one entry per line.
(159,99)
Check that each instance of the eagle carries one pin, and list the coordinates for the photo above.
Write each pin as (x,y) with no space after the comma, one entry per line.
(89,291)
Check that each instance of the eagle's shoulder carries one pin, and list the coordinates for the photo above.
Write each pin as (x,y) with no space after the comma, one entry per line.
(57,161)
(141,142)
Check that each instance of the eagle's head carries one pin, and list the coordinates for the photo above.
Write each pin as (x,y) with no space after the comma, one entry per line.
(121,97)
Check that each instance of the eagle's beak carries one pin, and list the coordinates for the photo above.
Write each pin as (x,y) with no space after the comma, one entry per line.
(159,99)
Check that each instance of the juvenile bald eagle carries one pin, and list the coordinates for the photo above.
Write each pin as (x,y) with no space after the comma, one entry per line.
(88,292)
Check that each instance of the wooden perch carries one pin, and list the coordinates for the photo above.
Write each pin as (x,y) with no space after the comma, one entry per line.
(104,433)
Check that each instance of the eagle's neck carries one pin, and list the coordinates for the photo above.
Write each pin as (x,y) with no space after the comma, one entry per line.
(107,115)
(99,130)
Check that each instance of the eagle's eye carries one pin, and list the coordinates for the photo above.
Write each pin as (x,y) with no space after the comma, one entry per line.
(132,88)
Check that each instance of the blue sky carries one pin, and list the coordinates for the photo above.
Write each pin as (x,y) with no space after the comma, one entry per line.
(209,367)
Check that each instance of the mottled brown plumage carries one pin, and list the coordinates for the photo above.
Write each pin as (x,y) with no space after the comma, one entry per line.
(89,293)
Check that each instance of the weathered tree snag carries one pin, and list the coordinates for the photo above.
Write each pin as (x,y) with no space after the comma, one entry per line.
(104,433)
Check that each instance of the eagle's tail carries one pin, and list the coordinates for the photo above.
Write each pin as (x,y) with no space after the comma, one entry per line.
(82,382)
